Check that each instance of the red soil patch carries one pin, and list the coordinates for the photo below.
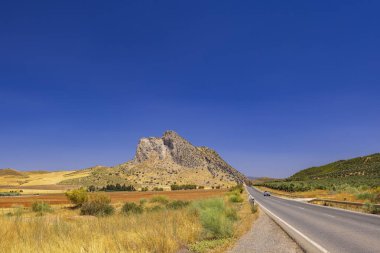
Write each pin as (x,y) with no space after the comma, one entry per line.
(60,198)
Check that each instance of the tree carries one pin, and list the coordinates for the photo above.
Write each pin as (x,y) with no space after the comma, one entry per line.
(91,188)
(77,196)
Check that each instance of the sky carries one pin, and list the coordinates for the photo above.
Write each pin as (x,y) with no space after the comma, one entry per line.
(273,86)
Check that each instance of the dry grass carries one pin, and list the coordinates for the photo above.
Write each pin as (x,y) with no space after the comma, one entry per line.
(64,230)
(164,231)
(40,178)
(242,226)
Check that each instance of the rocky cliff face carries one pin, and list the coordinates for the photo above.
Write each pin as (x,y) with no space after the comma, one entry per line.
(172,147)
(162,161)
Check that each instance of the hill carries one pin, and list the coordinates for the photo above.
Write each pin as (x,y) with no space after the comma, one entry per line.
(11,172)
(359,172)
(366,166)
(163,161)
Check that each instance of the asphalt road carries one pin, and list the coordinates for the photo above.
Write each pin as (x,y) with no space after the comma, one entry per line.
(333,229)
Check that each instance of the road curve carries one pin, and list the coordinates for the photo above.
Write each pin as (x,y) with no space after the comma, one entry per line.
(333,229)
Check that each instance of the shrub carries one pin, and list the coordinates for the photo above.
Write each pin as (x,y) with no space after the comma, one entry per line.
(236,198)
(77,197)
(98,205)
(177,204)
(175,187)
(238,187)
(91,188)
(216,218)
(370,208)
(143,201)
(158,189)
(144,189)
(131,208)
(365,195)
(41,207)
(159,199)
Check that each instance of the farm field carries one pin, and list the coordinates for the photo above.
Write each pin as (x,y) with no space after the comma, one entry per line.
(60,198)
(9,177)
(200,220)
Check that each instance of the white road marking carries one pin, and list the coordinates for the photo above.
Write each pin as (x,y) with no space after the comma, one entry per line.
(319,247)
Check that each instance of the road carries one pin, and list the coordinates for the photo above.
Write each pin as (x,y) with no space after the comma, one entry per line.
(335,230)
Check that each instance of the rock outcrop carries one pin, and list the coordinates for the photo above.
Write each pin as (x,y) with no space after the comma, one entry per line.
(171,147)
(160,162)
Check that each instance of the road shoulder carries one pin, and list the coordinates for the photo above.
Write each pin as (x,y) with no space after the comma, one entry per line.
(265,236)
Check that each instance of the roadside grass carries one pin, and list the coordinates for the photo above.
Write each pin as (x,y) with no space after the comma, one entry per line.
(157,225)
(239,213)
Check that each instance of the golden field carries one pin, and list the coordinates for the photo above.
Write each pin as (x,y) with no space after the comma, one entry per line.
(165,230)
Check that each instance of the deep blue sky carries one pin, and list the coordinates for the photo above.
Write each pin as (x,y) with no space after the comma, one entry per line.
(273,86)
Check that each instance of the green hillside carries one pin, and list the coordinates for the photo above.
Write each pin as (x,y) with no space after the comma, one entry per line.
(366,166)
(358,172)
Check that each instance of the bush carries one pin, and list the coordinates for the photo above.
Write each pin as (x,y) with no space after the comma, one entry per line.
(131,208)
(77,197)
(91,188)
(144,189)
(159,199)
(236,198)
(238,187)
(216,219)
(176,187)
(98,205)
(41,207)
(365,195)
(370,208)
(177,204)
(143,201)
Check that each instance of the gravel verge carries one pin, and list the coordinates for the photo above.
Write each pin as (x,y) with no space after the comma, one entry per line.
(265,236)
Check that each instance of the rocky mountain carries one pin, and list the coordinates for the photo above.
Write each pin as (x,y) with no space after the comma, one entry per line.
(162,161)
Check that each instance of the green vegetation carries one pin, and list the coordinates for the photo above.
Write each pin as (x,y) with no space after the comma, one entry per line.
(234,194)
(175,187)
(77,197)
(358,173)
(98,205)
(371,208)
(177,204)
(11,193)
(207,245)
(132,208)
(216,218)
(117,187)
(159,199)
(366,166)
(41,207)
